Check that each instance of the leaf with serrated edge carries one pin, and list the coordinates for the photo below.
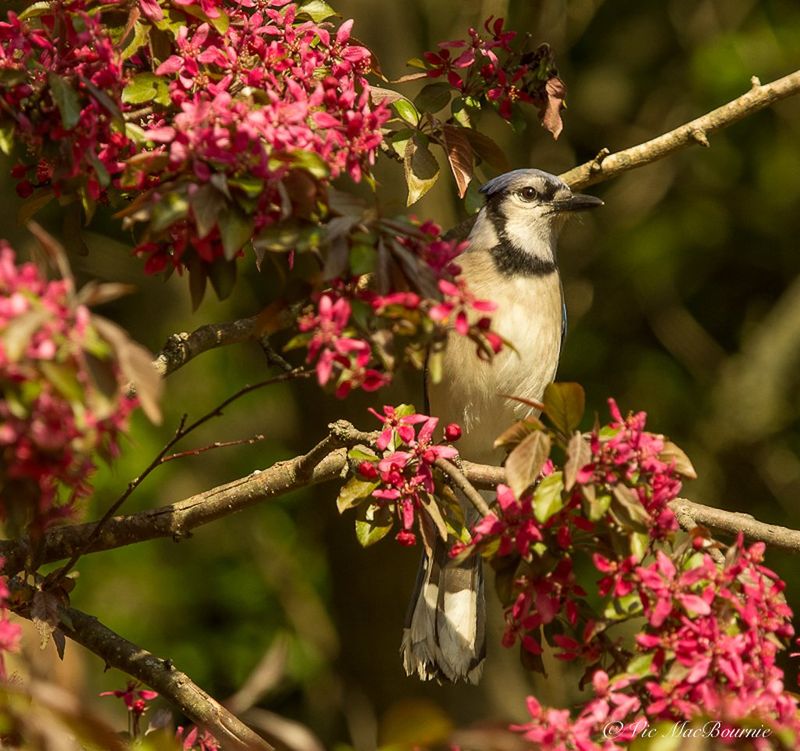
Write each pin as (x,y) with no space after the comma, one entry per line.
(579,454)
(459,154)
(564,404)
(682,463)
(136,364)
(525,462)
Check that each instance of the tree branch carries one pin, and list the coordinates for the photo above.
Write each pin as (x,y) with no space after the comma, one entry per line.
(606,165)
(180,348)
(202,709)
(734,522)
(326,461)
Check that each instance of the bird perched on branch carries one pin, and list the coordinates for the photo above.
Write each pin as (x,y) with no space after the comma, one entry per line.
(511,260)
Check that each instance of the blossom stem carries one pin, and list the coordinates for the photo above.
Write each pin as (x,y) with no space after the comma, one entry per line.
(464,485)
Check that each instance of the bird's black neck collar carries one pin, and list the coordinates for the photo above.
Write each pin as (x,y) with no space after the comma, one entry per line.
(509,259)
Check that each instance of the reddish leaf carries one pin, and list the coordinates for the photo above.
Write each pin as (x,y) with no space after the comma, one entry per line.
(525,462)
(578,455)
(550,112)
(460,156)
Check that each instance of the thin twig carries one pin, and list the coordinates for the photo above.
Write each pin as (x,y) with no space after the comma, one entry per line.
(606,165)
(180,433)
(212,446)
(464,485)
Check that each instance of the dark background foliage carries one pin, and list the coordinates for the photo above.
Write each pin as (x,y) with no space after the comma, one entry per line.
(684,301)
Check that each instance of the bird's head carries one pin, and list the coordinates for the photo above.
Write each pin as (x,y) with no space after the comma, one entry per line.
(524,213)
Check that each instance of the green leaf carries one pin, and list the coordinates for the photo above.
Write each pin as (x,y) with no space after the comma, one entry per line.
(362,454)
(363,259)
(525,462)
(107,102)
(628,509)
(221,23)
(353,492)
(311,163)
(640,665)
(19,331)
(682,463)
(37,9)
(406,110)
(317,10)
(373,523)
(198,280)
(421,169)
(547,497)
(66,99)
(171,209)
(222,274)
(473,198)
(236,229)
(433,97)
(144,88)
(141,35)
(598,506)
(206,204)
(64,378)
(564,404)
(7,138)
(33,203)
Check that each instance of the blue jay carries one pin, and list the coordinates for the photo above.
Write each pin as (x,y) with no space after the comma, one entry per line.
(511,260)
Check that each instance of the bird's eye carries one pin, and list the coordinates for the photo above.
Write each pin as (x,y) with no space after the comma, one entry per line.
(527,193)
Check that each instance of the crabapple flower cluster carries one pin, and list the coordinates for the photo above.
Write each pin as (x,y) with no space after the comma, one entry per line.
(490,69)
(61,86)
(55,418)
(354,335)
(397,482)
(707,653)
(256,118)
(712,632)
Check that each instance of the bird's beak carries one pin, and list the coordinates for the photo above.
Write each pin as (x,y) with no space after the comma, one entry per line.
(578,202)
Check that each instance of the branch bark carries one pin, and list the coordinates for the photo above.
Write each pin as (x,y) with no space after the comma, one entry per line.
(180,348)
(203,710)
(326,461)
(606,165)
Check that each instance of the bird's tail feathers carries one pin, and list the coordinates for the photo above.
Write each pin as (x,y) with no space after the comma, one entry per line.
(445,632)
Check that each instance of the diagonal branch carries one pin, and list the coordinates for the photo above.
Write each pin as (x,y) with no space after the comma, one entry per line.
(606,165)
(202,709)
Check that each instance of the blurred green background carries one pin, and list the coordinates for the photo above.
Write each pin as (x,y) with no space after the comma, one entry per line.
(684,301)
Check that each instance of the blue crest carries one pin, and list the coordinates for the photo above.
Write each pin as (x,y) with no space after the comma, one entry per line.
(516,179)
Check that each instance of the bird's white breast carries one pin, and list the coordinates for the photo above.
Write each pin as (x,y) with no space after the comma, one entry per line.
(528,315)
